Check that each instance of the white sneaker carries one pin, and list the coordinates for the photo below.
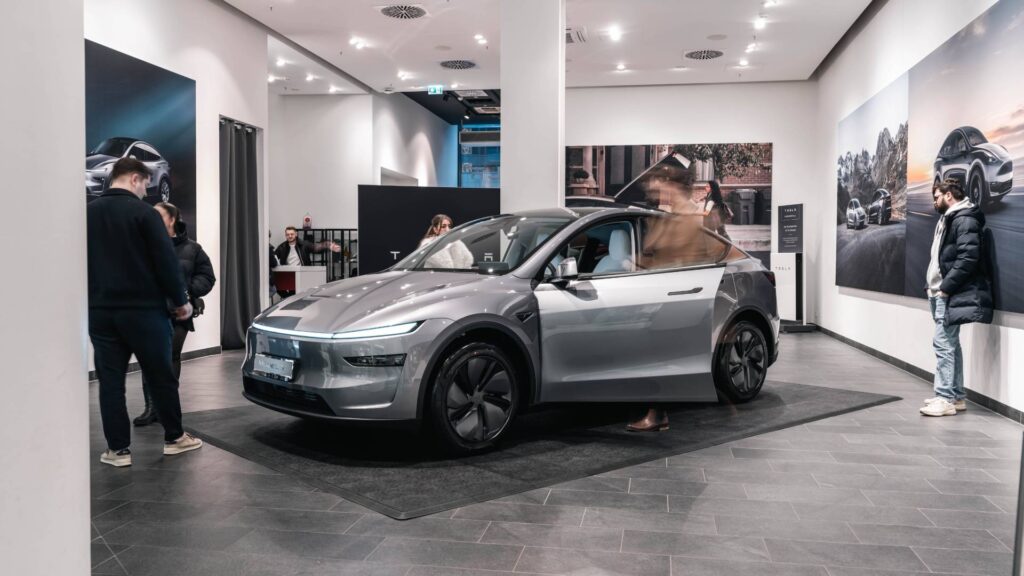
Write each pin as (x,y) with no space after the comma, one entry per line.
(184,444)
(939,407)
(960,405)
(119,458)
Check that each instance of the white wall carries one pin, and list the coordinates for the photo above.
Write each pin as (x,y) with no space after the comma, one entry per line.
(226,56)
(44,421)
(782,113)
(410,140)
(323,147)
(321,150)
(899,36)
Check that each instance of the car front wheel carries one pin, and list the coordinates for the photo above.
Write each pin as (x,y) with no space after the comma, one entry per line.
(976,189)
(474,398)
(741,362)
(165,190)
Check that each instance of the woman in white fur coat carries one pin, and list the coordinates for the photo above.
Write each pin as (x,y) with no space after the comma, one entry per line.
(454,255)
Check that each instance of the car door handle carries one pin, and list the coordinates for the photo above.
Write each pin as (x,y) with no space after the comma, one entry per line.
(685,292)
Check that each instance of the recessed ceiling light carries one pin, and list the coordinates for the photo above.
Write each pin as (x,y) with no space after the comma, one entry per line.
(359,43)
(403,75)
(620,67)
(770,3)
(760,22)
(482,41)
(334,89)
(478,37)
(271,78)
(751,47)
(680,68)
(615,33)
(455,85)
(281,62)
(466,116)
(744,62)
(311,77)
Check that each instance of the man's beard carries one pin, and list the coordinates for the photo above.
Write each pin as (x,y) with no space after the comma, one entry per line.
(941,209)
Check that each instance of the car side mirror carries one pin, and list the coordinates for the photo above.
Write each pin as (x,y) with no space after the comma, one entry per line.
(567,270)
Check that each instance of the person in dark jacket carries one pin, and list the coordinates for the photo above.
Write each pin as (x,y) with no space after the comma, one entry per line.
(959,291)
(197,272)
(134,279)
(296,252)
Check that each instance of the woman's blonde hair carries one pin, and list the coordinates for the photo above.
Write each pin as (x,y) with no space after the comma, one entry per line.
(435,225)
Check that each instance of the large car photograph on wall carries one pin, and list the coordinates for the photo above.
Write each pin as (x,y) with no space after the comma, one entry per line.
(101,159)
(581,305)
(967,122)
(871,191)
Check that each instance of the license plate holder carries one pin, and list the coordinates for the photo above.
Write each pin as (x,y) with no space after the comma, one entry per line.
(273,367)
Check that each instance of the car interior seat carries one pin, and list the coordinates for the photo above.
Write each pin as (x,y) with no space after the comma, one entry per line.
(620,254)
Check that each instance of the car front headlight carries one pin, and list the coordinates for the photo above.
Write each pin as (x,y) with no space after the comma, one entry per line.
(100,172)
(383,331)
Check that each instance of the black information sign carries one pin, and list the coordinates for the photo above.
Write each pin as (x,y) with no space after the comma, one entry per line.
(791,228)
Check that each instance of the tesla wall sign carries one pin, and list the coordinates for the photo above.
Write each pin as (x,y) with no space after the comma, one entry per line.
(791,228)
(393,219)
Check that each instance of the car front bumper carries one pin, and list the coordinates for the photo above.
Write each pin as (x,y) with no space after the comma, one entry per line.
(1000,178)
(325,385)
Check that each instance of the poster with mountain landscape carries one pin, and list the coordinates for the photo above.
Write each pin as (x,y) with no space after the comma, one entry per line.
(871,181)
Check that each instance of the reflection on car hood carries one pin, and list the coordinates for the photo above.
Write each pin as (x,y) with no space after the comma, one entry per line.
(370,301)
(994,149)
(96,159)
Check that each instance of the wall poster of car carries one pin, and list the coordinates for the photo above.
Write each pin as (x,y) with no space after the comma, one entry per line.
(600,175)
(962,114)
(967,122)
(136,109)
(871,184)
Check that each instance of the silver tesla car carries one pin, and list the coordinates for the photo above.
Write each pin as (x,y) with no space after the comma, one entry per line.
(560,305)
(100,160)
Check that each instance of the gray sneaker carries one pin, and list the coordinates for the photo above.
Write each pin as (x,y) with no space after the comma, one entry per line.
(184,444)
(960,404)
(119,458)
(940,407)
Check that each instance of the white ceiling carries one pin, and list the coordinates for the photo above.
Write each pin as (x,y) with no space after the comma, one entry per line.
(291,77)
(655,34)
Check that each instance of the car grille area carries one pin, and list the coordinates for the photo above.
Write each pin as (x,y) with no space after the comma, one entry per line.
(287,397)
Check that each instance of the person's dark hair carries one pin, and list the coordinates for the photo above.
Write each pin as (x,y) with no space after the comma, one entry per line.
(716,193)
(951,185)
(171,210)
(435,225)
(129,166)
(292,228)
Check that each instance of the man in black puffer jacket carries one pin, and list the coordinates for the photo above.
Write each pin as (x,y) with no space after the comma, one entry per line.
(959,291)
(197,272)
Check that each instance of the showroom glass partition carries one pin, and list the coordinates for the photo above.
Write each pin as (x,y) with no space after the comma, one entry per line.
(239,233)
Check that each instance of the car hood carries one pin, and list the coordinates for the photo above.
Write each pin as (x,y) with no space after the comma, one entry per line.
(97,159)
(377,300)
(994,149)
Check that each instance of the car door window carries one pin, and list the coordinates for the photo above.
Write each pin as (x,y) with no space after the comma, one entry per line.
(608,248)
(947,146)
(961,144)
(672,241)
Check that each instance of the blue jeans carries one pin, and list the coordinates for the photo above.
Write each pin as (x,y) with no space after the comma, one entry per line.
(949,357)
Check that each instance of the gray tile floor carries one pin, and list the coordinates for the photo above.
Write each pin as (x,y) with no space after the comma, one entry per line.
(877,492)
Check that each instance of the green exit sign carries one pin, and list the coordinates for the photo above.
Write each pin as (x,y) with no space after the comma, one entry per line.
(435,89)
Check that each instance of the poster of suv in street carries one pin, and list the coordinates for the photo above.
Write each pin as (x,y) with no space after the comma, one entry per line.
(643,175)
(966,102)
(872,193)
(138,110)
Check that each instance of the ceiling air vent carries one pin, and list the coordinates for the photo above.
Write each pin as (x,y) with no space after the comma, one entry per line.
(575,35)
(487,109)
(472,94)
(458,64)
(403,11)
(703,54)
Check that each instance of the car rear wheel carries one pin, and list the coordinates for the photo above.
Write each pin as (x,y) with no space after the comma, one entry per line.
(474,398)
(741,362)
(165,190)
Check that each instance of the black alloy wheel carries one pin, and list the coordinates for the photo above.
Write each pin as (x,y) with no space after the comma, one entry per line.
(165,190)
(742,362)
(475,397)
(976,189)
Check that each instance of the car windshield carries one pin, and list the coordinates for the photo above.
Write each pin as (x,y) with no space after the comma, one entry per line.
(112,147)
(974,136)
(493,246)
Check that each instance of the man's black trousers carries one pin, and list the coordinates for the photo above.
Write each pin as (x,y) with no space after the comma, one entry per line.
(116,334)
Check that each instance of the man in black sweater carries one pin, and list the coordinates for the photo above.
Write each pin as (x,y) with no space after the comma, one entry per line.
(134,281)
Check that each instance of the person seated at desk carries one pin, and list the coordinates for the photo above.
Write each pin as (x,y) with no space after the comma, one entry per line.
(295,252)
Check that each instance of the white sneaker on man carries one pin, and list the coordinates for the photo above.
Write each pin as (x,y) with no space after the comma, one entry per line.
(939,407)
(184,444)
(960,404)
(119,458)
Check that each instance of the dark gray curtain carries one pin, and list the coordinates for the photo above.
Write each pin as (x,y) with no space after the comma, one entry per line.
(239,233)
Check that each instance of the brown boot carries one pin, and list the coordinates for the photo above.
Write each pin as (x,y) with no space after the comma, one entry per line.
(655,421)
